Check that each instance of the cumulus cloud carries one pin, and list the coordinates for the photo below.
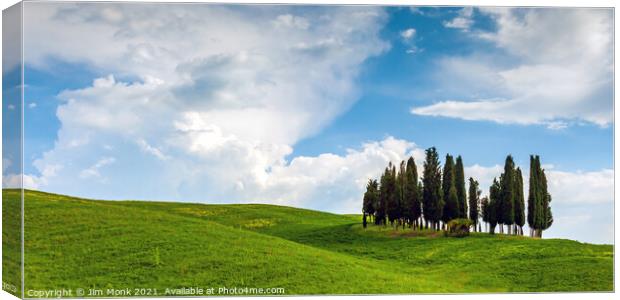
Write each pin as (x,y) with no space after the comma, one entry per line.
(463,20)
(219,95)
(581,187)
(567,188)
(563,69)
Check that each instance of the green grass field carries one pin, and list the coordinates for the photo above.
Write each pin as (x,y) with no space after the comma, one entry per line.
(76,243)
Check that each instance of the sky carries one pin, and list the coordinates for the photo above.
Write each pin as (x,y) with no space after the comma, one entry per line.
(301,105)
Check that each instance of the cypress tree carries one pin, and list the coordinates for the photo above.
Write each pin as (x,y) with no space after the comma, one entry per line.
(451,206)
(539,215)
(393,201)
(507,194)
(432,195)
(494,209)
(519,202)
(484,210)
(381,211)
(532,194)
(459,181)
(370,198)
(474,197)
(412,195)
(404,205)
(547,216)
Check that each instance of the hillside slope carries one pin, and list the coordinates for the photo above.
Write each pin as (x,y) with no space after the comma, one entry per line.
(78,243)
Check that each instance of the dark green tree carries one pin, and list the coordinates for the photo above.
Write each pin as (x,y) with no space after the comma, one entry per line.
(392,195)
(484,210)
(371,198)
(532,198)
(539,215)
(461,193)
(412,194)
(519,203)
(451,206)
(404,205)
(381,208)
(474,198)
(507,195)
(432,195)
(546,217)
(494,209)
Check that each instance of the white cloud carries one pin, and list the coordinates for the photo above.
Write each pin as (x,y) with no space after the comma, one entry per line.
(11,181)
(93,171)
(146,147)
(408,34)
(32,105)
(16,181)
(462,21)
(581,187)
(334,182)
(566,188)
(484,175)
(11,55)
(291,21)
(563,69)
(219,94)
(11,107)
(416,10)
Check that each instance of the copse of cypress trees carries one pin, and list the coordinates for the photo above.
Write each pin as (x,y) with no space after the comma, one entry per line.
(400,198)
(474,197)
(519,210)
(451,202)
(432,195)
(459,181)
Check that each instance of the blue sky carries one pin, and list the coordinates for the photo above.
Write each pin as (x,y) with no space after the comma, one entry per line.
(301,105)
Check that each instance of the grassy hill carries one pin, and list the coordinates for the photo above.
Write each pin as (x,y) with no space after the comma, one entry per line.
(77,243)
